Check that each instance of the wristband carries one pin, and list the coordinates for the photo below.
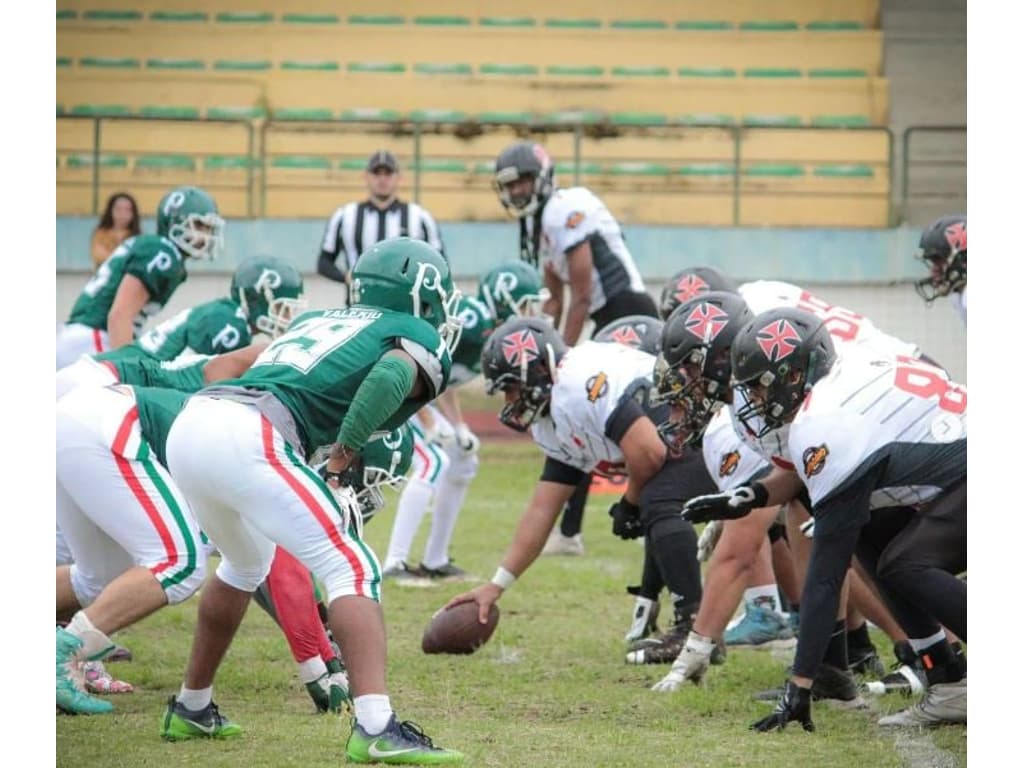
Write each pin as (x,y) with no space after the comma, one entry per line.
(760,495)
(503,577)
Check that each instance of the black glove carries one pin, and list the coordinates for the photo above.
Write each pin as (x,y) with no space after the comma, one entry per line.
(626,520)
(728,505)
(794,704)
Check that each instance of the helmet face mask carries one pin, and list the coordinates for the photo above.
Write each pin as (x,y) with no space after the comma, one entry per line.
(526,162)
(269,290)
(513,290)
(188,217)
(384,461)
(943,248)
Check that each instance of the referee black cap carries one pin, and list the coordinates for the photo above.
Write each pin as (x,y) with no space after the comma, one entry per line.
(382,159)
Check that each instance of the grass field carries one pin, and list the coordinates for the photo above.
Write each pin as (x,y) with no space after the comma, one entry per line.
(550,689)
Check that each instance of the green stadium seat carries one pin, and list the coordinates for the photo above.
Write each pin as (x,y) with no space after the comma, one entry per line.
(769,25)
(639,118)
(840,121)
(569,168)
(166,162)
(706,118)
(193,64)
(638,24)
(836,72)
(162,110)
(573,23)
(572,70)
(827,25)
(442,21)
(694,25)
(354,114)
(112,15)
(707,72)
(377,21)
(482,167)
(772,72)
(108,62)
(570,116)
(769,121)
(637,168)
(310,18)
(227,162)
(179,16)
(305,162)
(244,17)
(499,117)
(507,21)
(850,171)
(447,116)
(242,65)
(303,113)
(377,67)
(442,68)
(640,71)
(440,165)
(512,70)
(60,110)
(66,14)
(353,164)
(310,66)
(707,169)
(774,169)
(235,113)
(101,110)
(85,160)
(63,61)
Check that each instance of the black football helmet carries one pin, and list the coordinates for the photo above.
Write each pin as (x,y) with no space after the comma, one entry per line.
(637,331)
(690,282)
(521,356)
(693,372)
(519,160)
(776,359)
(943,248)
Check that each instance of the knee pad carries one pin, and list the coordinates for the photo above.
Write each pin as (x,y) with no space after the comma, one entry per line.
(245,579)
(188,586)
(85,586)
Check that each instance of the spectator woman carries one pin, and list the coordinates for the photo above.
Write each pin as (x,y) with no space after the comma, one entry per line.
(120,221)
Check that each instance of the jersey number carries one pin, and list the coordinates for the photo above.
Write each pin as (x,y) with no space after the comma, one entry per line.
(924,381)
(307,343)
(841,323)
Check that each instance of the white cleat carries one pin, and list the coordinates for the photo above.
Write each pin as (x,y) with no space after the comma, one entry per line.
(558,544)
(943,703)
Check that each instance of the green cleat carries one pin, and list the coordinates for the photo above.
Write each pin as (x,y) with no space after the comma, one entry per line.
(69,697)
(399,744)
(181,724)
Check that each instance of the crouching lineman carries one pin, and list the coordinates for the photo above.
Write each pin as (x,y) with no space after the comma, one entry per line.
(585,408)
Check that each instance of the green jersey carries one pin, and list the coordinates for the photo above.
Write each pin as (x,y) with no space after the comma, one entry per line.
(158,408)
(186,376)
(152,259)
(212,328)
(477,326)
(316,367)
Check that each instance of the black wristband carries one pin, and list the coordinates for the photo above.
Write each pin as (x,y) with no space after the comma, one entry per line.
(760,494)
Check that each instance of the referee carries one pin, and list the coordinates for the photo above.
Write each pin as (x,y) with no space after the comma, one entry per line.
(359,225)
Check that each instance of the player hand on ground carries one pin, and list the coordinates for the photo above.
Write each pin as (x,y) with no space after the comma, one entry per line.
(794,704)
(691,664)
(728,505)
(709,540)
(484,596)
(466,440)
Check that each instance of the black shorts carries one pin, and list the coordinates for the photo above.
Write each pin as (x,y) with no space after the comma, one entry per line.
(623,305)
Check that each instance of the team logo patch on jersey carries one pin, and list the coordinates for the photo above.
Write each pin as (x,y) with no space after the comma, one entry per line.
(706,321)
(520,348)
(956,236)
(626,335)
(597,387)
(729,463)
(574,219)
(690,286)
(814,459)
(778,340)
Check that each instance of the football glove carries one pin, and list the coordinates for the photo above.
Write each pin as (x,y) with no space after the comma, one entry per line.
(466,440)
(709,539)
(728,505)
(691,664)
(439,433)
(626,522)
(794,704)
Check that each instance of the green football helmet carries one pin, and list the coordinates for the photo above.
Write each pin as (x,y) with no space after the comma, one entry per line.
(477,326)
(409,276)
(513,289)
(384,460)
(188,217)
(269,290)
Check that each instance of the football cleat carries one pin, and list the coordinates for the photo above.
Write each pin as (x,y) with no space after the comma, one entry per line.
(400,743)
(944,703)
(403,575)
(449,572)
(831,685)
(559,544)
(181,724)
(660,649)
(70,698)
(761,627)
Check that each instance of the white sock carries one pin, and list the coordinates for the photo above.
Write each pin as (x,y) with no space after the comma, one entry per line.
(312,669)
(412,505)
(447,504)
(95,644)
(195,699)
(765,595)
(373,712)
(920,645)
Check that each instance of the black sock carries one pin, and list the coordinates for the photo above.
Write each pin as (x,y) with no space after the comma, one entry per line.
(835,653)
(859,638)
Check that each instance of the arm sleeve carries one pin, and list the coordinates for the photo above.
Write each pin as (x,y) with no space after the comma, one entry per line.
(330,248)
(327,266)
(556,471)
(381,394)
(622,418)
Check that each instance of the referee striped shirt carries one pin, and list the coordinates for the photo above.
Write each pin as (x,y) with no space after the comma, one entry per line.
(357,226)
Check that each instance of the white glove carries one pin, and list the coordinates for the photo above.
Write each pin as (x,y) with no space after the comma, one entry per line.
(708,539)
(691,664)
(441,433)
(350,511)
(466,440)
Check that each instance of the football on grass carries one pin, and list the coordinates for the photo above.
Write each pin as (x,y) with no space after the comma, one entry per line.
(458,629)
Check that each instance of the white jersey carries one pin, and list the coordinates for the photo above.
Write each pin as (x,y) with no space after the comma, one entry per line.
(730,463)
(591,381)
(576,214)
(871,407)
(959,302)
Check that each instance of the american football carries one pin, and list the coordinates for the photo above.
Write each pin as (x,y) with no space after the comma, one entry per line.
(458,630)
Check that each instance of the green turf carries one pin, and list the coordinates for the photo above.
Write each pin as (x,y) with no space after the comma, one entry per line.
(550,688)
